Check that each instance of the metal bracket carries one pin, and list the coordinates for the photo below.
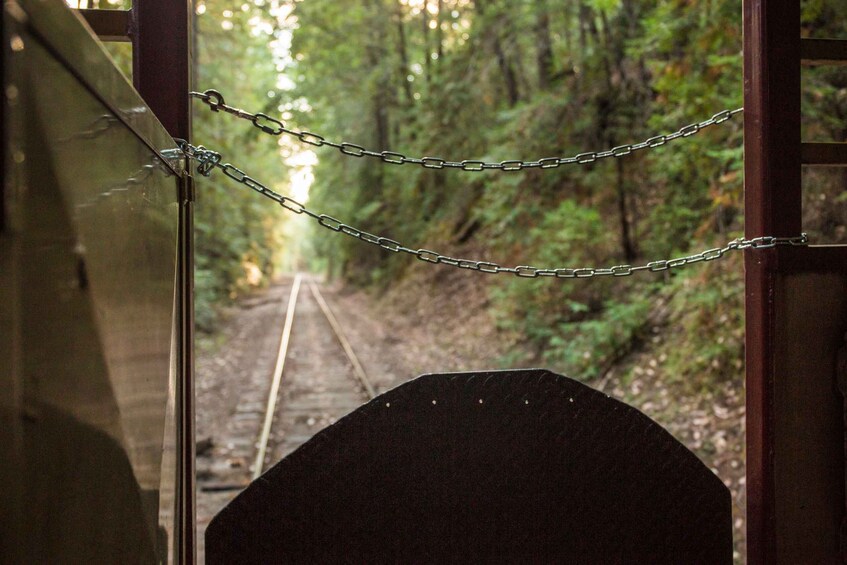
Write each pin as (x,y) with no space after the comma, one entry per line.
(187,192)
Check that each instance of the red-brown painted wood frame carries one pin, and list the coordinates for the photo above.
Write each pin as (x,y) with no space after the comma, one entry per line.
(771,155)
(795,433)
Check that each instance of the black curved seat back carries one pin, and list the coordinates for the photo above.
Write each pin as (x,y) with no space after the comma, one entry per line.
(496,467)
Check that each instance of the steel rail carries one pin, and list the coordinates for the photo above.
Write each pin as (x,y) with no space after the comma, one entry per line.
(342,339)
(285,340)
(277,378)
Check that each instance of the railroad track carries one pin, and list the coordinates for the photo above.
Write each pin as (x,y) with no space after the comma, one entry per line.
(249,423)
(317,396)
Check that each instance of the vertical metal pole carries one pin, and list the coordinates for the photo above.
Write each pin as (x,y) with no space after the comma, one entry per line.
(187,543)
(162,55)
(772,173)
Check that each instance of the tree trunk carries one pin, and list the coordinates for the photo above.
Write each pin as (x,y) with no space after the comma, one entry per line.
(506,70)
(543,44)
(629,251)
(427,51)
(439,34)
(567,33)
(404,54)
(381,97)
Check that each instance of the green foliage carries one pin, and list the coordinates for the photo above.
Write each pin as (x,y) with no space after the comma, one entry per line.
(565,235)
(238,235)
(707,314)
(586,349)
(497,80)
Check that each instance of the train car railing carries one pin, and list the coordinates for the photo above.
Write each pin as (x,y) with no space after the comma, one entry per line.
(93,348)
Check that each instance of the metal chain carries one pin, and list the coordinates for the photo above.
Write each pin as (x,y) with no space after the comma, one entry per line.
(209,160)
(273,126)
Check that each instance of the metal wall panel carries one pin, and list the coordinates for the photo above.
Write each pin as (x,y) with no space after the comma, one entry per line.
(89,260)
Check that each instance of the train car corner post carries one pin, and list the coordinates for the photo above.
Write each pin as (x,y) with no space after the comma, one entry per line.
(796,315)
(162,39)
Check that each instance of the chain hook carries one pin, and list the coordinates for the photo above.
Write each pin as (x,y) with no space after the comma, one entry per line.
(211,97)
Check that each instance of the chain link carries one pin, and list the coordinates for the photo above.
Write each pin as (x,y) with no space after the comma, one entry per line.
(209,160)
(273,126)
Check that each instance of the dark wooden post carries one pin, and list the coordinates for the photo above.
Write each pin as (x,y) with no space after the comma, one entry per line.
(796,306)
(771,156)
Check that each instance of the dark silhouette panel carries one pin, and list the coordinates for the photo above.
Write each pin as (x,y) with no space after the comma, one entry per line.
(496,467)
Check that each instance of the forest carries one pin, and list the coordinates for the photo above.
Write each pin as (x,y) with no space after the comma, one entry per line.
(493,80)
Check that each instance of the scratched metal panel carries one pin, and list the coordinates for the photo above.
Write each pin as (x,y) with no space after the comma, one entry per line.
(90,244)
(500,467)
